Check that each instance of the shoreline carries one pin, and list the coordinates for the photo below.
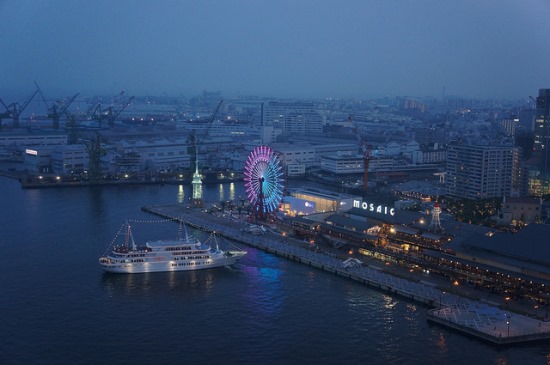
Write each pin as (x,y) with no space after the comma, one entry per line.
(49,181)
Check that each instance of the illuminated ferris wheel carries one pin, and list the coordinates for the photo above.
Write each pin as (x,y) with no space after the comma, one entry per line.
(263,181)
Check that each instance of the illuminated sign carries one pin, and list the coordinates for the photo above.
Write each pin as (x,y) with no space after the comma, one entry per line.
(31,152)
(371,207)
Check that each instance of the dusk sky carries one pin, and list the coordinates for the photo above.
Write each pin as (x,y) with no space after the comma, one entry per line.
(282,48)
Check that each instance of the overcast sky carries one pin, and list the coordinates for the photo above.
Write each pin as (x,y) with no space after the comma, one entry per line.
(279,48)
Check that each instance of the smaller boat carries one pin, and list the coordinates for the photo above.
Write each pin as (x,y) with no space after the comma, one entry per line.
(179,254)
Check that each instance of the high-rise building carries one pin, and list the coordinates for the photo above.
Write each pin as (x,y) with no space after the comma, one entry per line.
(527,120)
(293,117)
(481,171)
(539,173)
(542,132)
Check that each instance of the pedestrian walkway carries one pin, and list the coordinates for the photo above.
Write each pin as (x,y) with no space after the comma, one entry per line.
(473,317)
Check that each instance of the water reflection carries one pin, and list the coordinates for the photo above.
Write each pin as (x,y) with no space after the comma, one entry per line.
(160,283)
(263,290)
(360,301)
(181,194)
(231,191)
(442,344)
(221,193)
(389,302)
(96,201)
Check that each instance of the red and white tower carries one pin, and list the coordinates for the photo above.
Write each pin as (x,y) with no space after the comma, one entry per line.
(435,224)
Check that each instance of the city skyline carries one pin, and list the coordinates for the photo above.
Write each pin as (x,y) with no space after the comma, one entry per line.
(306,49)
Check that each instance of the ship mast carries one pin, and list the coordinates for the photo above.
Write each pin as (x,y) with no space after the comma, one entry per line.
(129,237)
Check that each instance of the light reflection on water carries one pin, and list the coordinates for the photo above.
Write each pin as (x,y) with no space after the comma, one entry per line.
(263,293)
(158,283)
(231,191)
(221,195)
(181,194)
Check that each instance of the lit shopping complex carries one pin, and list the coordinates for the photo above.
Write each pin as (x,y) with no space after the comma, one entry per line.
(514,265)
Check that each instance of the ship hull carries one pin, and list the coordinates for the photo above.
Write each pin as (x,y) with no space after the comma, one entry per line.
(165,266)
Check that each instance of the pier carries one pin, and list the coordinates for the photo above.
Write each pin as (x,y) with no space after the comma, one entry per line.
(484,320)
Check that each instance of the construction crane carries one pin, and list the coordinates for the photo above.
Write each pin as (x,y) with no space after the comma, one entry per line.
(16,109)
(366,150)
(194,138)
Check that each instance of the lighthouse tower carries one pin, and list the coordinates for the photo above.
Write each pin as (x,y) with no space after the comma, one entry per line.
(435,224)
(197,183)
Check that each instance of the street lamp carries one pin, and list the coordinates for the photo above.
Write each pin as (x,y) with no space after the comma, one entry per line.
(508,323)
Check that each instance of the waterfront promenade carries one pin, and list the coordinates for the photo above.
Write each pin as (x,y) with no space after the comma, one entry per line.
(483,319)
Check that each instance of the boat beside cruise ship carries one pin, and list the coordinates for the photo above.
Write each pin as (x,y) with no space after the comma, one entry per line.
(181,254)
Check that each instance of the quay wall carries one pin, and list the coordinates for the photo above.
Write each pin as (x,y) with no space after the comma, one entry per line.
(427,294)
(295,257)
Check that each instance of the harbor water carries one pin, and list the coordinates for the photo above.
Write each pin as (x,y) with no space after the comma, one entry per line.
(58,307)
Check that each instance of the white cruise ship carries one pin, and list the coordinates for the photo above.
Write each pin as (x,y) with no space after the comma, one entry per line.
(165,255)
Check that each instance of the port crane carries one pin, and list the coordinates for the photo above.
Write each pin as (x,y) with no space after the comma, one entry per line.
(57,109)
(95,151)
(5,114)
(14,110)
(109,114)
(73,124)
(112,114)
(366,150)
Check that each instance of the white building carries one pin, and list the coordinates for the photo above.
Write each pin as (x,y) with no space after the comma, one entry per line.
(70,159)
(295,169)
(342,163)
(293,117)
(162,154)
(227,128)
(268,134)
(434,156)
(323,200)
(325,149)
(382,164)
(391,149)
(38,159)
(410,147)
(23,139)
(295,154)
(480,171)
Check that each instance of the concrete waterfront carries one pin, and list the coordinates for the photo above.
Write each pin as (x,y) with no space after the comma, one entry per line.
(484,320)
